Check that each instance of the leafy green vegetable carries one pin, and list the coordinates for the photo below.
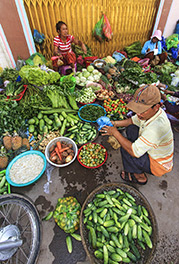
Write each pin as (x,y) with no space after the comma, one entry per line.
(9,74)
(11,117)
(134,49)
(92,112)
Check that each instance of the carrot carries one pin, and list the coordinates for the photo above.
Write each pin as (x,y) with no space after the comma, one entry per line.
(58,153)
(59,145)
(63,149)
(53,153)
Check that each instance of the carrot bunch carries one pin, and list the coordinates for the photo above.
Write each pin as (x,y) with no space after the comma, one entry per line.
(61,152)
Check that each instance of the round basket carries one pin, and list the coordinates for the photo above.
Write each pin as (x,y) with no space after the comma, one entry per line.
(94,167)
(147,254)
(86,119)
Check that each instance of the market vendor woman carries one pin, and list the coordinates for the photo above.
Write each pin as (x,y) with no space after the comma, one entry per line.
(153,48)
(149,143)
(62,45)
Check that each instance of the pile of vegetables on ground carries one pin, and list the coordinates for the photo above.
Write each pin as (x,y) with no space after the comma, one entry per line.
(39,102)
(119,228)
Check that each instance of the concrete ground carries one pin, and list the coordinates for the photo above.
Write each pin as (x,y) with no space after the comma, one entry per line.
(75,180)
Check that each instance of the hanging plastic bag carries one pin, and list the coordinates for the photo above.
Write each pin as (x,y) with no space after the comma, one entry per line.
(107,29)
(98,30)
(38,38)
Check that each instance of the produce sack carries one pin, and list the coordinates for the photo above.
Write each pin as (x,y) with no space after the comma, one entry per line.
(67,214)
(107,28)
(36,59)
(98,30)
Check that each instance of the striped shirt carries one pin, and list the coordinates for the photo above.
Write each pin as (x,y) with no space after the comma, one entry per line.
(63,47)
(155,138)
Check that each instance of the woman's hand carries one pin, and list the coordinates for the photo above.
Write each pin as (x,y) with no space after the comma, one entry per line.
(108,130)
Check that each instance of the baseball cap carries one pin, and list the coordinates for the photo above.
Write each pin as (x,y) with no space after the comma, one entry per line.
(145,97)
(157,34)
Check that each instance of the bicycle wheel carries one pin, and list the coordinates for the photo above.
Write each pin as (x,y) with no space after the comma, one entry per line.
(19,216)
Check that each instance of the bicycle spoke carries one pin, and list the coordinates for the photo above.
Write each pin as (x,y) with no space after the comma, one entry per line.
(21,213)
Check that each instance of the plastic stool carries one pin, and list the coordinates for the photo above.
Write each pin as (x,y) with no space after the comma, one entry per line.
(64,68)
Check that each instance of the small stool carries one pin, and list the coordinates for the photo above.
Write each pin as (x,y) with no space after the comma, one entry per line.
(62,69)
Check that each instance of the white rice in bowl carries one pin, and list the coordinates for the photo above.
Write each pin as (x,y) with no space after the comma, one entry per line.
(26,168)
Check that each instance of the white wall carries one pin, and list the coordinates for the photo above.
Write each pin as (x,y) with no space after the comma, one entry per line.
(4,58)
(172,19)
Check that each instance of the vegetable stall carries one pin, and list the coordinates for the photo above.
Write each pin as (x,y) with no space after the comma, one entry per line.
(39,106)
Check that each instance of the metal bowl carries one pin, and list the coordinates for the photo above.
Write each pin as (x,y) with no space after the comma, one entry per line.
(147,254)
(99,63)
(52,142)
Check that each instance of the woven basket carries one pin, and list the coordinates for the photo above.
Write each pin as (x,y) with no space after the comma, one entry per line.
(147,255)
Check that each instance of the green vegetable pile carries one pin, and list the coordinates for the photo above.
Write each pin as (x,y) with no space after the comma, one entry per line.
(134,49)
(81,133)
(4,185)
(11,117)
(119,229)
(9,74)
(34,75)
(92,112)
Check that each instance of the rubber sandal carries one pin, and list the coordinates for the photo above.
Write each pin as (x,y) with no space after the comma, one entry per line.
(133,178)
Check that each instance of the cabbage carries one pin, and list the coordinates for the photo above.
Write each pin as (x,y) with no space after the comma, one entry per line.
(95,72)
(96,77)
(80,75)
(84,70)
(177,73)
(86,74)
(83,79)
(90,78)
(77,78)
(77,73)
(90,68)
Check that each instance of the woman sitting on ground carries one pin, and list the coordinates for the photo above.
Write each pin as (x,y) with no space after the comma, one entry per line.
(62,46)
(153,47)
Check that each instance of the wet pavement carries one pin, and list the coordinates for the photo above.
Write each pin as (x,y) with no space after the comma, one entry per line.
(77,181)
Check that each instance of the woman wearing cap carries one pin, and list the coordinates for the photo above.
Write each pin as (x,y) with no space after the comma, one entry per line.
(62,45)
(149,143)
(153,47)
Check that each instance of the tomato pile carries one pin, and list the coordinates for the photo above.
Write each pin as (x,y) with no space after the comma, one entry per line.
(92,154)
(115,106)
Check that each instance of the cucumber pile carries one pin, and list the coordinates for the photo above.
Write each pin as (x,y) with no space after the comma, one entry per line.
(81,133)
(118,229)
(46,121)
(4,185)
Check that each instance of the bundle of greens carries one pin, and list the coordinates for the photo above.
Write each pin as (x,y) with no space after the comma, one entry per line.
(11,117)
(9,74)
(166,68)
(56,96)
(134,49)
(34,75)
